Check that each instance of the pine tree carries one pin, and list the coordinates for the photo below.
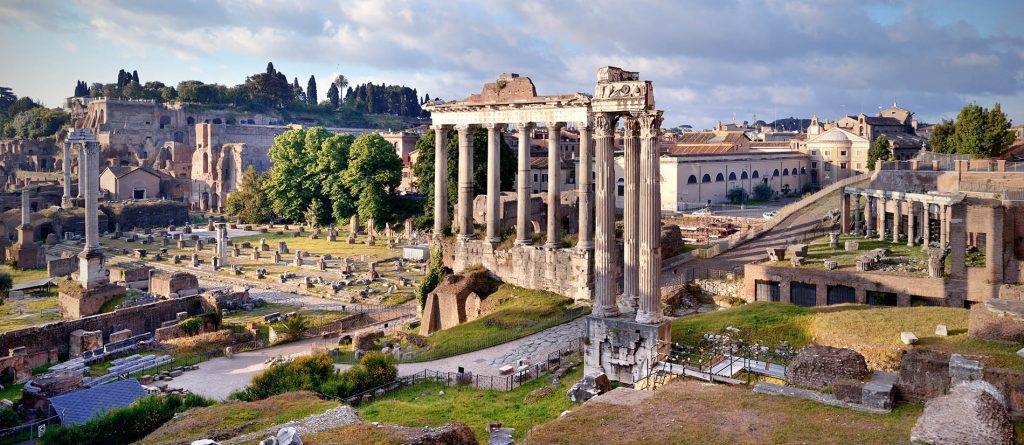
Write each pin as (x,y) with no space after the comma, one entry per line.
(135,76)
(311,98)
(997,135)
(121,78)
(879,151)
(270,68)
(298,94)
(332,95)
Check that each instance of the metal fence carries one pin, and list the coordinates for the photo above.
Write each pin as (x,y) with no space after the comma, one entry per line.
(26,432)
(520,376)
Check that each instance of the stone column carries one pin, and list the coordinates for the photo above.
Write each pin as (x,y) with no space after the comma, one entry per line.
(880,204)
(858,224)
(956,235)
(65,201)
(649,310)
(926,229)
(26,207)
(630,214)
(844,214)
(440,180)
(523,186)
(604,217)
(897,215)
(869,218)
(81,170)
(585,238)
(465,213)
(911,208)
(493,182)
(222,243)
(943,227)
(554,185)
(90,261)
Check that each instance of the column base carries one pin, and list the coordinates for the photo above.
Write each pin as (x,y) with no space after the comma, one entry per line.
(627,304)
(624,349)
(91,271)
(523,242)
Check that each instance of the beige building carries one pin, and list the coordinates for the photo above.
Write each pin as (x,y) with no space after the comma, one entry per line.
(835,154)
(405,144)
(897,124)
(123,183)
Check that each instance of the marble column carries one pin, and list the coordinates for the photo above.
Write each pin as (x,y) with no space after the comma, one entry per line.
(858,223)
(26,207)
(926,230)
(943,218)
(554,185)
(897,215)
(604,217)
(630,214)
(523,185)
(90,261)
(493,182)
(649,310)
(845,224)
(584,184)
(222,243)
(910,222)
(81,170)
(65,201)
(869,216)
(880,207)
(465,213)
(440,180)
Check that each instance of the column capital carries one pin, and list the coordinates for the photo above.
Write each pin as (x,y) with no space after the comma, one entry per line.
(464,127)
(524,126)
(551,125)
(630,126)
(494,126)
(440,127)
(650,123)
(583,126)
(604,125)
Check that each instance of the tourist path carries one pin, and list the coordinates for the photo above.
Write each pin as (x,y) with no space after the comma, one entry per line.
(219,377)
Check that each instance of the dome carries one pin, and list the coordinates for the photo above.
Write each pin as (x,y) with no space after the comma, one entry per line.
(835,135)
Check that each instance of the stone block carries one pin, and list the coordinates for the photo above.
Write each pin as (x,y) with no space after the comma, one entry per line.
(964,416)
(831,265)
(941,330)
(820,366)
(998,320)
(878,395)
(121,335)
(796,261)
(963,369)
(775,254)
(848,390)
(593,384)
(908,338)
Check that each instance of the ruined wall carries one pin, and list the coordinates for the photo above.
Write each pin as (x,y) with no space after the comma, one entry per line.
(139,319)
(142,214)
(567,272)
(904,286)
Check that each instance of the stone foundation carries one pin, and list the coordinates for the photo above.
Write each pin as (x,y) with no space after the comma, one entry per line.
(999,320)
(624,349)
(564,271)
(86,302)
(27,256)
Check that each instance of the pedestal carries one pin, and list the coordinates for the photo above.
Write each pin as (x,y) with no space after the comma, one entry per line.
(623,349)
(91,271)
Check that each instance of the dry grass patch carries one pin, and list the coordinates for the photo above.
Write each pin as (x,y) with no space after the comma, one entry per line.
(226,420)
(359,433)
(689,412)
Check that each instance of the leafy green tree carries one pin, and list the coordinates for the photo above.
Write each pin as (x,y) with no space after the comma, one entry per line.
(269,89)
(736,195)
(332,96)
(7,98)
(763,192)
(879,151)
(6,283)
(307,165)
(293,328)
(997,136)
(311,92)
(300,95)
(317,214)
(969,130)
(36,123)
(374,171)
(249,202)
(940,140)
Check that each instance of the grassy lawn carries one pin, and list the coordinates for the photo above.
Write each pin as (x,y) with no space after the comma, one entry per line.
(12,392)
(521,312)
(423,404)
(20,276)
(690,412)
(818,251)
(316,317)
(225,420)
(28,311)
(339,248)
(872,331)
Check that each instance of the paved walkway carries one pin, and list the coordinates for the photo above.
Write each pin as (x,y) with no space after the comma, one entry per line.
(219,377)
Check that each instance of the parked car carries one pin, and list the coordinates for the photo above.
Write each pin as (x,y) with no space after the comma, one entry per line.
(768,215)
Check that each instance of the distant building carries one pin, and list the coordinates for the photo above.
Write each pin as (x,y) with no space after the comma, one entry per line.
(835,154)
(404,143)
(123,183)
(897,124)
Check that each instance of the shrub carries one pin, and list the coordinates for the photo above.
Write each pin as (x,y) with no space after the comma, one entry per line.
(191,325)
(763,192)
(736,195)
(124,425)
(292,328)
(317,373)
(9,418)
(435,271)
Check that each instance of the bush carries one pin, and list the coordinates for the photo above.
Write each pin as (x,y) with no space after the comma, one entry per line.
(435,272)
(736,195)
(191,325)
(9,418)
(763,192)
(317,373)
(124,425)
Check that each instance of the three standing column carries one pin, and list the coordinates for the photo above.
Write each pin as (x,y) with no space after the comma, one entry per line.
(554,184)
(630,214)
(523,186)
(604,217)
(650,219)
(584,182)
(440,180)
(465,213)
(493,181)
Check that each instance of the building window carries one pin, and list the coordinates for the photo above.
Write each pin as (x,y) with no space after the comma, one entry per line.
(706,178)
(775,173)
(692,179)
(621,188)
(139,194)
(732,176)
(720,178)
(842,153)
(743,175)
(544,177)
(842,165)
(814,165)
(534,177)
(803,170)
(785,172)
(755,175)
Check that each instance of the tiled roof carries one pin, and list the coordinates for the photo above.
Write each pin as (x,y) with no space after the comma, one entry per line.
(76,408)
(688,149)
(884,121)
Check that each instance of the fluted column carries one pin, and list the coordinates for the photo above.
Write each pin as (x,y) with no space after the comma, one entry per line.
(81,170)
(630,214)
(910,222)
(523,186)
(89,169)
(604,217)
(880,216)
(584,184)
(926,230)
(869,217)
(65,200)
(858,224)
(493,181)
(649,310)
(897,216)
(554,185)
(440,179)
(465,213)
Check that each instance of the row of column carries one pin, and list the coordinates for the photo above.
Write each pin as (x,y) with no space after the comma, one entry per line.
(464,206)
(872,224)
(66,198)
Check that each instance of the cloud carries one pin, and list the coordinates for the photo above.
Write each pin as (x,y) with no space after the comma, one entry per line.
(709,60)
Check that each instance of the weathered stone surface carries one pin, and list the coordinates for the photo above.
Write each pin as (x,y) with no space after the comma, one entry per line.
(963,369)
(923,374)
(941,330)
(908,338)
(821,366)
(848,390)
(365,339)
(852,246)
(997,320)
(967,416)
(592,384)
(450,304)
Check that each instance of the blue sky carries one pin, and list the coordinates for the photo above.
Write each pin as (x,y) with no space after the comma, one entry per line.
(710,60)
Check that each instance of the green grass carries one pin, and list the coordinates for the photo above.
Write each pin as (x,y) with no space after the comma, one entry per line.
(872,331)
(112,303)
(818,251)
(522,312)
(320,246)
(28,311)
(19,276)
(423,404)
(12,392)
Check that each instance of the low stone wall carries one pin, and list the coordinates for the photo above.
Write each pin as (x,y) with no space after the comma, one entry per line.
(62,267)
(146,214)
(720,287)
(567,272)
(139,319)
(926,374)
(904,286)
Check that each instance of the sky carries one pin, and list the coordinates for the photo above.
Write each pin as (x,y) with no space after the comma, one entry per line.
(709,60)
